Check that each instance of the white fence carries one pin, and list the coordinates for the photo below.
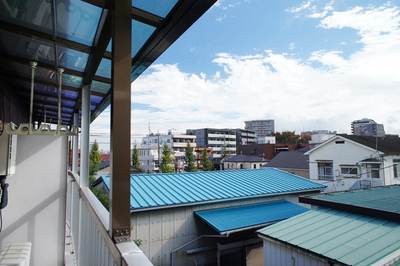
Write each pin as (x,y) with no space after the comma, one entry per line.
(88,223)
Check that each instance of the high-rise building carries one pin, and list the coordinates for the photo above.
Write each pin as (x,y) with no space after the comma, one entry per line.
(367,127)
(262,128)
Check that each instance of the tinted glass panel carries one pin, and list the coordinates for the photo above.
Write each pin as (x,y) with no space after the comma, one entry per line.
(72,59)
(95,99)
(104,69)
(157,7)
(101,87)
(21,46)
(31,14)
(140,34)
(71,80)
(77,21)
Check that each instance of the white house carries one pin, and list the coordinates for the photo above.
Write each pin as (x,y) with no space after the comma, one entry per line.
(349,162)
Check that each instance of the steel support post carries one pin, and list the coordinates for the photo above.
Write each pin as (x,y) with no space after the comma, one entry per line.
(85,132)
(120,121)
(75,143)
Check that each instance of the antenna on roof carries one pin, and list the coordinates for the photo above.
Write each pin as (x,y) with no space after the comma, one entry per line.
(151,133)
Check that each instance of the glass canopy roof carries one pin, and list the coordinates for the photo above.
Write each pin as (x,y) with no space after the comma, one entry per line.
(76,35)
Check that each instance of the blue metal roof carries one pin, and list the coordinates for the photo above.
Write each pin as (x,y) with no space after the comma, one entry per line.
(240,218)
(162,190)
(349,238)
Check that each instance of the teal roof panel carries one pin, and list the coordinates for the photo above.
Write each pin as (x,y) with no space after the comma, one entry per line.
(380,198)
(349,238)
(161,190)
(239,218)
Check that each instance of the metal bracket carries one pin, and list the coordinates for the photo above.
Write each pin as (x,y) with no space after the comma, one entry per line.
(121,235)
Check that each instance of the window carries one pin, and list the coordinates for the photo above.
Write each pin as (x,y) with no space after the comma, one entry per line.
(325,171)
(339,142)
(241,166)
(349,171)
(373,170)
(255,166)
(396,168)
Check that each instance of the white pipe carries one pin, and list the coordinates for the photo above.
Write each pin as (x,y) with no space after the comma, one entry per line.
(60,72)
(33,65)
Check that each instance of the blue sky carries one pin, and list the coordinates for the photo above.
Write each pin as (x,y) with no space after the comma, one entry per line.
(309,65)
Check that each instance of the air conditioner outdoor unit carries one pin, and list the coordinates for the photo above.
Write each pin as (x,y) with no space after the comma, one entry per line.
(16,254)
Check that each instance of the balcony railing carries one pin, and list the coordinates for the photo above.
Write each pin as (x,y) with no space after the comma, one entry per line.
(88,224)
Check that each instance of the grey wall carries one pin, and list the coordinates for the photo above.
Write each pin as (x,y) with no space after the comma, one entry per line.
(36,203)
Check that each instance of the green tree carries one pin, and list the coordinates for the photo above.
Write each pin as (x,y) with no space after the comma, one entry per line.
(191,166)
(287,137)
(205,162)
(167,160)
(135,158)
(224,153)
(94,159)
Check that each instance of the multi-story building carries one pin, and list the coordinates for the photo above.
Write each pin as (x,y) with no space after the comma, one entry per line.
(150,151)
(217,139)
(244,137)
(261,127)
(367,127)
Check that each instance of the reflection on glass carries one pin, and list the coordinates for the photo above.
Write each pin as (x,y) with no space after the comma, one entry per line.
(35,15)
(101,87)
(72,59)
(157,7)
(73,81)
(27,48)
(77,20)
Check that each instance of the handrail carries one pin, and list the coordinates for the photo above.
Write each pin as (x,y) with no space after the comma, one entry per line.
(126,253)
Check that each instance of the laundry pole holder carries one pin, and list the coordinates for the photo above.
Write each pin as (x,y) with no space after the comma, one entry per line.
(43,129)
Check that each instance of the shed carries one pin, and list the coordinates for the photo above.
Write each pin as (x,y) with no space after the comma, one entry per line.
(361,227)
(201,216)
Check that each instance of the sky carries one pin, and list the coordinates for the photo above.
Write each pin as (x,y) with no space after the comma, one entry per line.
(309,65)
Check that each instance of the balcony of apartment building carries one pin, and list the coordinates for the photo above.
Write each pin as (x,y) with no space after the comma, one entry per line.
(62,64)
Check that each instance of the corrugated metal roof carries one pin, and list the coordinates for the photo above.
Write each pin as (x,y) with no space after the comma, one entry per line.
(161,190)
(349,238)
(380,198)
(226,220)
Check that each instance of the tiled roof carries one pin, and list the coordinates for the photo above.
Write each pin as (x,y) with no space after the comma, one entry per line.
(388,144)
(238,218)
(176,189)
(289,159)
(245,158)
(348,238)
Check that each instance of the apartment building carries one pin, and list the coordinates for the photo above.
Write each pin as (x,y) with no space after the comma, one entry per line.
(261,127)
(367,127)
(217,139)
(150,150)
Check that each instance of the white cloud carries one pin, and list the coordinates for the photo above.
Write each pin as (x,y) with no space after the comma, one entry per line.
(270,85)
(303,6)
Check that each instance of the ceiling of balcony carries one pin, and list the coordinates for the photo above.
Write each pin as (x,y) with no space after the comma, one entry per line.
(76,36)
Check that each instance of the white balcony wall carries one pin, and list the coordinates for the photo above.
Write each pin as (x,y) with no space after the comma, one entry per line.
(36,201)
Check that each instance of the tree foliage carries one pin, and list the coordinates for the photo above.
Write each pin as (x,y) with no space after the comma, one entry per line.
(191,166)
(287,137)
(94,159)
(167,160)
(135,157)
(224,153)
(205,162)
